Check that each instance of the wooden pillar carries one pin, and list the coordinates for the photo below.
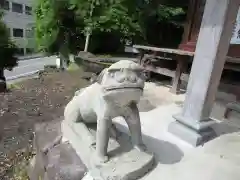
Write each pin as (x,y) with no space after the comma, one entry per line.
(194,124)
(176,82)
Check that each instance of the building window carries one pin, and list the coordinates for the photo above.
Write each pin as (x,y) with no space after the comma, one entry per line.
(28,10)
(29,33)
(16,7)
(5,5)
(17,32)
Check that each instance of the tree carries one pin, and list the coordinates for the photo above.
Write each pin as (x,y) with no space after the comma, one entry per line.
(7,52)
(62,24)
(114,16)
(160,19)
(57,30)
(128,19)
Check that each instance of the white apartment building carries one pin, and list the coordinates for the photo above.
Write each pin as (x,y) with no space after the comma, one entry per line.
(20,21)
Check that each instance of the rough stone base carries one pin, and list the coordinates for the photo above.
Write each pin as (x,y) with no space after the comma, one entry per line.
(189,135)
(126,163)
(54,160)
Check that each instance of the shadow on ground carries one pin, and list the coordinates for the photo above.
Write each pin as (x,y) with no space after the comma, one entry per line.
(145,105)
(223,128)
(164,152)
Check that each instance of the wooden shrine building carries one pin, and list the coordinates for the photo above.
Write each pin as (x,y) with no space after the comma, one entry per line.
(192,28)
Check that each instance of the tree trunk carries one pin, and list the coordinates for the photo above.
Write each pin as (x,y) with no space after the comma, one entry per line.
(64,57)
(87,42)
(63,61)
(3,86)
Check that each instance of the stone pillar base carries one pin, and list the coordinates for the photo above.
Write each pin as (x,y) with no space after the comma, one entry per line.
(190,135)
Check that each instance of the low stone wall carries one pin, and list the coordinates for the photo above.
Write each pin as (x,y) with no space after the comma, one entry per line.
(31,56)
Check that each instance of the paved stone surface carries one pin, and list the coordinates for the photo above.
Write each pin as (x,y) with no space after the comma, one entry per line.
(170,151)
(217,160)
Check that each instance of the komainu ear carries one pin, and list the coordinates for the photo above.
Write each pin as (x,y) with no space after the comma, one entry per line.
(100,76)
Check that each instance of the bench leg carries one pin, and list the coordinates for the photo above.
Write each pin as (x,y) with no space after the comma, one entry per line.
(227,112)
(177,78)
(231,107)
(140,56)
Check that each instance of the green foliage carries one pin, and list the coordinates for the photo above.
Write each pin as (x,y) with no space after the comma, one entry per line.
(56,25)
(165,13)
(126,18)
(13,86)
(115,16)
(66,22)
(162,21)
(7,47)
(73,67)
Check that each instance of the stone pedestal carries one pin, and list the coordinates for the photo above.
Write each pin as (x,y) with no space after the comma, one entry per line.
(194,136)
(125,162)
(62,154)
(193,124)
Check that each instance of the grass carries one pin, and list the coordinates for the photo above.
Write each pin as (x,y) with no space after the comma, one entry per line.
(13,86)
(20,171)
(104,55)
(73,67)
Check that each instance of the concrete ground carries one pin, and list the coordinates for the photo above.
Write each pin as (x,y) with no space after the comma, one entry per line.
(218,159)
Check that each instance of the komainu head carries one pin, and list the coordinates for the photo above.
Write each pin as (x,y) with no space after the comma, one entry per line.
(123,82)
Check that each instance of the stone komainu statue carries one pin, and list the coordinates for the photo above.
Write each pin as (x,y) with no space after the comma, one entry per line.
(116,93)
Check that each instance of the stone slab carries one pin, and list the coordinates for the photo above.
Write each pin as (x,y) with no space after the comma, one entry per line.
(126,163)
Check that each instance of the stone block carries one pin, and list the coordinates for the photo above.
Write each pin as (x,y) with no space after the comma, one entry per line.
(64,164)
(47,135)
(36,168)
(54,160)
